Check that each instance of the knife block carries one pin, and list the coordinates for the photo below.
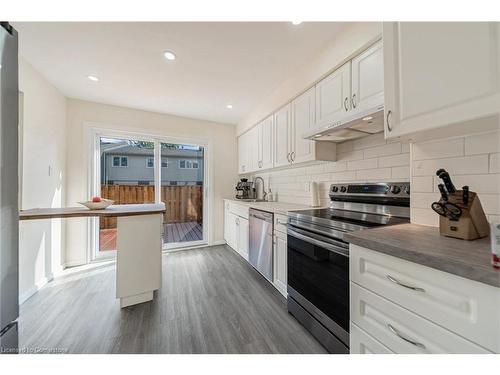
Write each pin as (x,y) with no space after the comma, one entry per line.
(471,225)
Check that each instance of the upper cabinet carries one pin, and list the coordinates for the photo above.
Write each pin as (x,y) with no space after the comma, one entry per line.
(333,96)
(265,143)
(367,79)
(282,136)
(439,73)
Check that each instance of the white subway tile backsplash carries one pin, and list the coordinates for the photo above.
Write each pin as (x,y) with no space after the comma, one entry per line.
(362,164)
(423,200)
(479,183)
(490,203)
(422,184)
(378,174)
(438,149)
(343,176)
(483,143)
(371,141)
(351,155)
(384,150)
(338,166)
(477,164)
(424,216)
(400,173)
(394,161)
(495,163)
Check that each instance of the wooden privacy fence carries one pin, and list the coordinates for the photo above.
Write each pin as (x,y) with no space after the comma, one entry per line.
(184,203)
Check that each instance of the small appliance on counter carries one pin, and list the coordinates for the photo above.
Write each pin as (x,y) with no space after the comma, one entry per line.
(245,189)
(460,212)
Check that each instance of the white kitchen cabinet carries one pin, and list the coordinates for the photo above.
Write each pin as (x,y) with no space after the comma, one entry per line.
(280,263)
(265,143)
(243,145)
(361,342)
(367,85)
(242,237)
(253,149)
(282,136)
(236,227)
(333,95)
(439,74)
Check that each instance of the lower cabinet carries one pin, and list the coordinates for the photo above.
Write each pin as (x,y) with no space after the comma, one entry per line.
(236,230)
(279,258)
(362,343)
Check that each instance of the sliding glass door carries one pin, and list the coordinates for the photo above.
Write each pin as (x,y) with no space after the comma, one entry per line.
(134,169)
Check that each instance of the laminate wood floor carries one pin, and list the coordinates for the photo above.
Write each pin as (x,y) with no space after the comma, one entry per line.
(211,301)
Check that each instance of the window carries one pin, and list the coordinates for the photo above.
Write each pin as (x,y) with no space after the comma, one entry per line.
(120,161)
(164,163)
(150,162)
(188,164)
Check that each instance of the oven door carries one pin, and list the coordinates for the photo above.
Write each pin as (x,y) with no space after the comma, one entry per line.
(318,278)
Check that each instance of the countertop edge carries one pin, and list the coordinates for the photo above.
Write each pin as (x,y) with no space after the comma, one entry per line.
(451,266)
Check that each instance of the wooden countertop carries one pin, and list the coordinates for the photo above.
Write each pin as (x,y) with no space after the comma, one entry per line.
(114,210)
(424,245)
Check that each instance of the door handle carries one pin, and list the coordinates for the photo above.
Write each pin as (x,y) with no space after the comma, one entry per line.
(288,157)
(353,101)
(389,126)
(346,100)
(398,334)
(292,156)
(396,281)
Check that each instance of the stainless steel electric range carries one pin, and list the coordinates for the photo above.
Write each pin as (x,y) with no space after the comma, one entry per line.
(318,256)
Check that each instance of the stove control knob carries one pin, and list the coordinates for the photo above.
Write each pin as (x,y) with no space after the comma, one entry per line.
(343,189)
(395,189)
(335,189)
(407,190)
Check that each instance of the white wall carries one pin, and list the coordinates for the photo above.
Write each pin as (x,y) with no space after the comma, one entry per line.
(472,160)
(349,42)
(222,146)
(369,159)
(43,142)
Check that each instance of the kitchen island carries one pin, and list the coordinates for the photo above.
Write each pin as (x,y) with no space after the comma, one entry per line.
(139,245)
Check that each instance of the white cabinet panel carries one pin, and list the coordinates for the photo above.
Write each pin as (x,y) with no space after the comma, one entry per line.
(362,343)
(333,95)
(469,308)
(368,79)
(282,133)
(242,227)
(280,263)
(266,143)
(439,73)
(303,119)
(253,149)
(402,331)
(243,153)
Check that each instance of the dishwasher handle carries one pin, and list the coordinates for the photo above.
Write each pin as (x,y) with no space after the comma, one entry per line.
(257,215)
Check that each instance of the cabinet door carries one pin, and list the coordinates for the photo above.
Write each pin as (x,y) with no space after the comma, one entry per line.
(282,136)
(226,222)
(303,115)
(252,149)
(280,265)
(232,230)
(439,73)
(243,237)
(368,79)
(333,95)
(266,142)
(242,153)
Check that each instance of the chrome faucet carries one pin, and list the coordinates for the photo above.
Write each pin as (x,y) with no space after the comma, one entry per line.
(260,193)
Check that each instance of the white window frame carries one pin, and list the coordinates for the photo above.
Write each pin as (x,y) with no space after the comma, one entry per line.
(94,131)
(186,161)
(120,162)
(166,162)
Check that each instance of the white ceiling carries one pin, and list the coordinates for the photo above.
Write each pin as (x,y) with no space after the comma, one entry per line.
(217,63)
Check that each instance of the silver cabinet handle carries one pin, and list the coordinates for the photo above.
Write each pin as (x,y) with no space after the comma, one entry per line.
(396,281)
(389,127)
(346,100)
(280,222)
(353,101)
(292,156)
(288,157)
(397,333)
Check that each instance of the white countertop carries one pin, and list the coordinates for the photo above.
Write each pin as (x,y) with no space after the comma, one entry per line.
(274,207)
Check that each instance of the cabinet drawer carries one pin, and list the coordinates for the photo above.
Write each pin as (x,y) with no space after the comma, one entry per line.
(362,343)
(402,331)
(466,307)
(280,223)
(238,209)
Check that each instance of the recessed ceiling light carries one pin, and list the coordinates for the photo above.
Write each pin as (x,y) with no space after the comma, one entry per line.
(229,106)
(93,78)
(367,118)
(169,55)
(296,23)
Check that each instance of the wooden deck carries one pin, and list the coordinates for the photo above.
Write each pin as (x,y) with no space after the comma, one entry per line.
(172,233)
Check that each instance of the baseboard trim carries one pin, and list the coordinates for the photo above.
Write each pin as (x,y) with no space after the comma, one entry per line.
(34,289)
(220,242)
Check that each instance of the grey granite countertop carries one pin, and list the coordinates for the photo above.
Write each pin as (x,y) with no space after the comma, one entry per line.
(424,245)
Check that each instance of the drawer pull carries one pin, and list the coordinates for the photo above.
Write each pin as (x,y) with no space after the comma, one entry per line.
(280,222)
(397,333)
(395,281)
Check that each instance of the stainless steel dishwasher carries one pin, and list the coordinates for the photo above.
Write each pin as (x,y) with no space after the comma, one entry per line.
(260,253)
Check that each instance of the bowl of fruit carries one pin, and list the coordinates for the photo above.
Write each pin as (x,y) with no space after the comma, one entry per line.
(97,203)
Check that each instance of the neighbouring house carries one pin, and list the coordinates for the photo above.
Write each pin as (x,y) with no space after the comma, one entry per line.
(133,164)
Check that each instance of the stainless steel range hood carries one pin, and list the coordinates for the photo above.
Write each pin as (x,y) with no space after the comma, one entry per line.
(353,126)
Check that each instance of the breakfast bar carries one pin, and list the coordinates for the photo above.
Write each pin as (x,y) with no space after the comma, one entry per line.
(139,245)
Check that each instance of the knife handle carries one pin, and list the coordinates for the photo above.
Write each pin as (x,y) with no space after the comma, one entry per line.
(465,194)
(444,194)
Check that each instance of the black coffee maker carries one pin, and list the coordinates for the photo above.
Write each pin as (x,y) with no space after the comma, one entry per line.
(245,189)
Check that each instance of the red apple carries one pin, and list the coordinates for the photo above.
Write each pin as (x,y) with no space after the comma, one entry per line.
(96,199)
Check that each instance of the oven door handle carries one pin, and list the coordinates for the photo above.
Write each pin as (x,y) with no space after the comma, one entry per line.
(333,248)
